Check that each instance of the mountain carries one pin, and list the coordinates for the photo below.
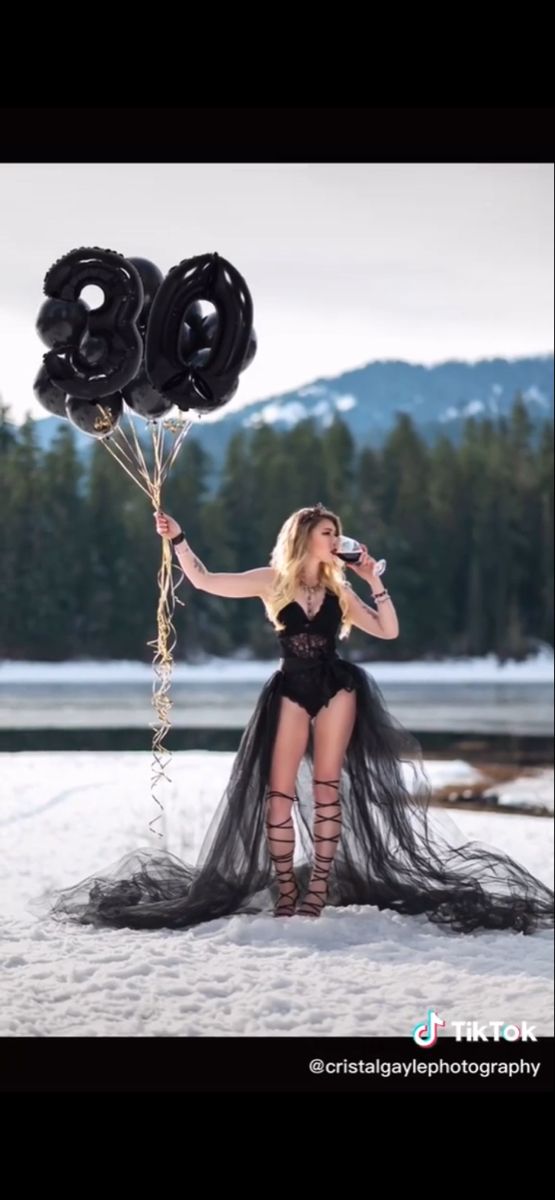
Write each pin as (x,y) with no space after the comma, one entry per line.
(439,399)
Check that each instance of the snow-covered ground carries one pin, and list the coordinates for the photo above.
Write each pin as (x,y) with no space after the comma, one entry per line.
(355,971)
(528,791)
(458,670)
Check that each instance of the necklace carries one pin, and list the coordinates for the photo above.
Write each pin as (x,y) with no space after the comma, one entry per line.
(310,589)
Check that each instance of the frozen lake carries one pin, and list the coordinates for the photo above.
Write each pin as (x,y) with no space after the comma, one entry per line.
(481,706)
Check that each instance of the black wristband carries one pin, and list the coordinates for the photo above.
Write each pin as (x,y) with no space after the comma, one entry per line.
(179,537)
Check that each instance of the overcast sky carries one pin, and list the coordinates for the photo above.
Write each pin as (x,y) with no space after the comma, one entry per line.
(346,263)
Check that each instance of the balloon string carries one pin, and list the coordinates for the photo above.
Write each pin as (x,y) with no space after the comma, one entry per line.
(162,662)
(111,450)
(165,641)
(163,646)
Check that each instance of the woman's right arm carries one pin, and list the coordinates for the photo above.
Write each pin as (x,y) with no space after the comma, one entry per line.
(235,585)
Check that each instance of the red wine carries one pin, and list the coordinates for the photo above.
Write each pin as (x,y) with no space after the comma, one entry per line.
(348,556)
(350,551)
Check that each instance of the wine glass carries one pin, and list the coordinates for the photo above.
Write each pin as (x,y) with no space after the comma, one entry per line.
(350,551)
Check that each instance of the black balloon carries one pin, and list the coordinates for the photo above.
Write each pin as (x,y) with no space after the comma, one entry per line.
(93,349)
(196,395)
(251,351)
(96,418)
(205,278)
(209,329)
(197,334)
(149,343)
(151,278)
(189,341)
(194,316)
(111,332)
(145,400)
(52,398)
(62,323)
(200,358)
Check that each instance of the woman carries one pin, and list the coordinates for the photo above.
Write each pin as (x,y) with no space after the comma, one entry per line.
(322,748)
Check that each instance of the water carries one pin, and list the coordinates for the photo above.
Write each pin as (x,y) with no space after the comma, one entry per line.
(508,709)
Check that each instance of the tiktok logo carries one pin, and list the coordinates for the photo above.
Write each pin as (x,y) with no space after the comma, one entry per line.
(425,1034)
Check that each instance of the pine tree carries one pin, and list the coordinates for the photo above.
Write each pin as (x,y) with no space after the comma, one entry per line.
(447,516)
(338,452)
(64,574)
(543,564)
(414,576)
(25,613)
(110,598)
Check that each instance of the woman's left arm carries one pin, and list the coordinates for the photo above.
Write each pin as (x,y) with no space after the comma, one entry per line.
(380,622)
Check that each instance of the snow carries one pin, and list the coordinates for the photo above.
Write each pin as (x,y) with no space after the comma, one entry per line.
(291,413)
(354,972)
(538,669)
(344,403)
(534,790)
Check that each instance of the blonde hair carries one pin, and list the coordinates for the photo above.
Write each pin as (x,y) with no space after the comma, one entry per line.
(288,557)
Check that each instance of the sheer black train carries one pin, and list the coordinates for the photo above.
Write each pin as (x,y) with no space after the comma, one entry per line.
(390,850)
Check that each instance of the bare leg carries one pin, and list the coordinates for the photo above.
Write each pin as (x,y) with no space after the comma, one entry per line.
(289,747)
(332,732)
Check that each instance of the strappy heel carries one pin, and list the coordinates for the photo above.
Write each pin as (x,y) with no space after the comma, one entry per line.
(287,883)
(312,907)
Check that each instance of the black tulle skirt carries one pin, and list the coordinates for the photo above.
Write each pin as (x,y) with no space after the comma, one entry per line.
(395,851)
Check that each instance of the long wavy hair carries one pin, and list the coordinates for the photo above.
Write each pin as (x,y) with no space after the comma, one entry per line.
(287,559)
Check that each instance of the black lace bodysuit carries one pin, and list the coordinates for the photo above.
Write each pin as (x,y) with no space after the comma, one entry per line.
(312,670)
